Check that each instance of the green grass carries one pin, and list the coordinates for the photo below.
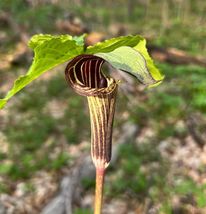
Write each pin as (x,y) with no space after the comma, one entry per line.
(27,16)
(83,211)
(33,132)
(177,25)
(182,93)
(189,187)
(129,180)
(182,29)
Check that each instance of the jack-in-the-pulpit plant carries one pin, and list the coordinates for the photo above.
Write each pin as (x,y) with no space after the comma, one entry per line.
(83,73)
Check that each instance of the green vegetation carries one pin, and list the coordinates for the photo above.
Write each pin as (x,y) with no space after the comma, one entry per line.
(126,181)
(182,95)
(132,178)
(39,132)
(82,211)
(50,111)
(128,53)
(171,24)
(137,179)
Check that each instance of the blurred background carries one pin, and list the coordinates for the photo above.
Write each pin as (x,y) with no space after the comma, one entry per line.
(163,168)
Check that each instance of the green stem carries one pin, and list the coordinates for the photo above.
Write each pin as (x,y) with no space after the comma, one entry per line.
(100,172)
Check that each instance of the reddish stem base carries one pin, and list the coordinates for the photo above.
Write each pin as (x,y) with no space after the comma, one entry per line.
(99,190)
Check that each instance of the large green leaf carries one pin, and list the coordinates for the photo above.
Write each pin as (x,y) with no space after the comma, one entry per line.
(141,47)
(127,53)
(49,51)
(121,57)
(111,44)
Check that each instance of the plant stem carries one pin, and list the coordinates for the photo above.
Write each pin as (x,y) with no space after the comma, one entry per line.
(100,172)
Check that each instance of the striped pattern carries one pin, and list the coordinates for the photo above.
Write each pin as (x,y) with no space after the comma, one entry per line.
(84,75)
(102,109)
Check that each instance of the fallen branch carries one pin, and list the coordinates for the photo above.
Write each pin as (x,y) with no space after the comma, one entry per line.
(63,202)
(175,56)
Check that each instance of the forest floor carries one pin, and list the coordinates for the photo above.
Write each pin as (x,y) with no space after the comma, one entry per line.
(162,170)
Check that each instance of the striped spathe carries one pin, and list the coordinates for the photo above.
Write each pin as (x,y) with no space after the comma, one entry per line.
(85,76)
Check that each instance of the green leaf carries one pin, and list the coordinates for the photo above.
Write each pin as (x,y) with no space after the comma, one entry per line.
(141,47)
(80,39)
(127,53)
(41,38)
(129,60)
(111,44)
(49,51)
